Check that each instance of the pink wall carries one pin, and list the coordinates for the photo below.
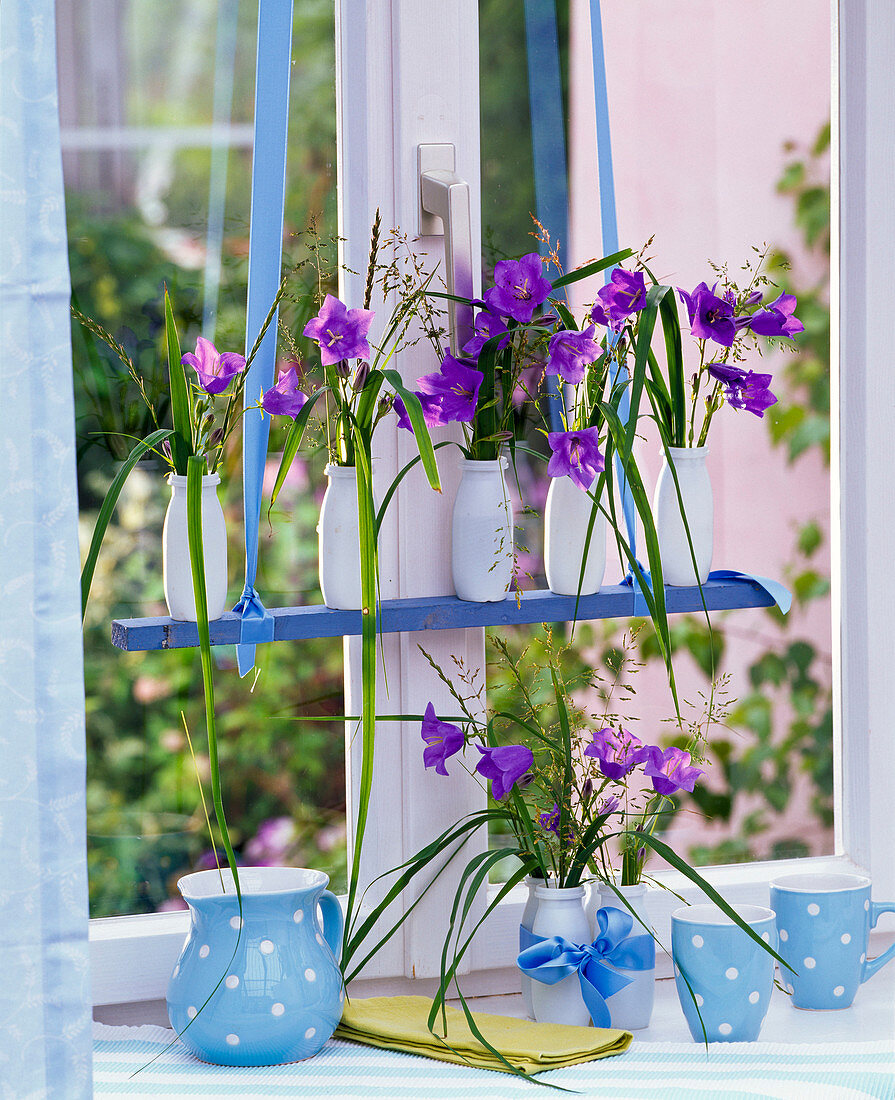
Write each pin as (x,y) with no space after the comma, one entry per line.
(703,98)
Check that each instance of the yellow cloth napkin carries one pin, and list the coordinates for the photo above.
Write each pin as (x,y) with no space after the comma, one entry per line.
(399,1023)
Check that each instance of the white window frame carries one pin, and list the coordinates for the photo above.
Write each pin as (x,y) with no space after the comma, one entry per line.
(407,72)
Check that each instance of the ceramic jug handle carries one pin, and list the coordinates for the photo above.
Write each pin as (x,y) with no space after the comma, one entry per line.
(877,908)
(332,922)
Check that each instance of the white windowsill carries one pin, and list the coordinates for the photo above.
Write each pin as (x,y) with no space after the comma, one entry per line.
(871,1016)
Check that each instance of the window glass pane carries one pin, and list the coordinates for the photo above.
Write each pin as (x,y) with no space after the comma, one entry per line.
(157,132)
(721,146)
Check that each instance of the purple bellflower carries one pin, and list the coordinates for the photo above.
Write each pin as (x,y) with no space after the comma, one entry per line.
(487,325)
(569,352)
(607,806)
(777,318)
(576,455)
(711,317)
(670,770)
(744,389)
(431,412)
(624,294)
(505,766)
(618,751)
(456,386)
(340,332)
(285,398)
(519,288)
(215,369)
(443,739)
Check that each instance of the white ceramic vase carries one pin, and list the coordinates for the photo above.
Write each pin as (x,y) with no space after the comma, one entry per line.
(632,1007)
(525,926)
(177,573)
(696,496)
(338,543)
(560,913)
(566,518)
(482,532)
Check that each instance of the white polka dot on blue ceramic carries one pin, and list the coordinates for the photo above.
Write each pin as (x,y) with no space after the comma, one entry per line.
(319,939)
(863,957)
(724,1029)
(845,938)
(311,1032)
(700,1000)
(235,922)
(866,905)
(231,981)
(731,973)
(191,1012)
(839,990)
(266,947)
(784,935)
(277,1009)
(788,987)
(298,916)
(766,936)
(310,976)
(810,963)
(203,951)
(754,997)
(813,908)
(232,1040)
(697,941)
(341,996)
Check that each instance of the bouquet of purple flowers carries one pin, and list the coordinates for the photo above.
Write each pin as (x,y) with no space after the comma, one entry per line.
(563,782)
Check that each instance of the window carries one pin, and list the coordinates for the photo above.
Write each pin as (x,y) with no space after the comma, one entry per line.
(390,101)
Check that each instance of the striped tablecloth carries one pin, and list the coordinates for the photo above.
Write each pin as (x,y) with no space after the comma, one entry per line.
(648,1071)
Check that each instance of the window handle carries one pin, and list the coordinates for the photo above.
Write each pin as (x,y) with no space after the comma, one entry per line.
(444,199)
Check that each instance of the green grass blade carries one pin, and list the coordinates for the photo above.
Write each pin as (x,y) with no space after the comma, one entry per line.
(399,477)
(195,470)
(674,356)
(293,441)
(671,857)
(368,562)
(108,507)
(594,268)
(420,428)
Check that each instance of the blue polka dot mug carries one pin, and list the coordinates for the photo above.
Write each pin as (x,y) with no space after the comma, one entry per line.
(724,978)
(824,922)
(261,988)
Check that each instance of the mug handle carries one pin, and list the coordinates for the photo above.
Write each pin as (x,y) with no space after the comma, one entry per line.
(333,921)
(877,908)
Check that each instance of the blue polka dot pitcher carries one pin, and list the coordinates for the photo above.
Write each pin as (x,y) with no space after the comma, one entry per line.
(263,988)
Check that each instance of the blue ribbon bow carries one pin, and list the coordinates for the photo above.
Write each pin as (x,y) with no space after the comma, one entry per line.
(550,959)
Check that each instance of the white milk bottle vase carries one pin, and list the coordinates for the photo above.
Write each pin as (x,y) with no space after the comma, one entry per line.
(482,532)
(176,570)
(632,1007)
(696,497)
(526,934)
(560,913)
(338,543)
(566,519)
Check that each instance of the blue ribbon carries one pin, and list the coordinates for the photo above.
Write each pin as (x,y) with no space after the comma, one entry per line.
(778,592)
(265,254)
(609,237)
(548,146)
(552,958)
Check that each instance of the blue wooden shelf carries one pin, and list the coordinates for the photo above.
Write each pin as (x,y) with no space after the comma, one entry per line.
(437,613)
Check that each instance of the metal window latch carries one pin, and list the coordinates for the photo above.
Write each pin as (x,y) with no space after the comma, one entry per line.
(444,210)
